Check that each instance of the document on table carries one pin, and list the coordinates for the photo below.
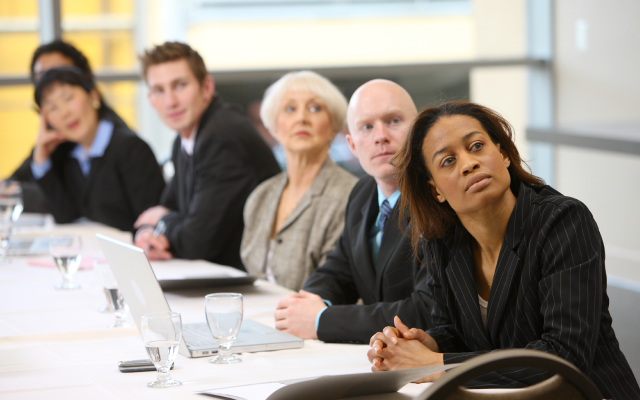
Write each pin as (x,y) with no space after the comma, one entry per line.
(328,387)
(260,391)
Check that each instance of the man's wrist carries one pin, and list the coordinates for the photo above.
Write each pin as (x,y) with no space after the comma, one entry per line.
(318,318)
(142,229)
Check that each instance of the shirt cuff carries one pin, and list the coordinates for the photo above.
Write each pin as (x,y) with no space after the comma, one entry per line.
(143,228)
(40,170)
(318,318)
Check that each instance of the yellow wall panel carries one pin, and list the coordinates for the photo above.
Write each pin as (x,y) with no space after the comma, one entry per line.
(18,8)
(121,96)
(16,50)
(19,126)
(105,49)
(122,49)
(90,44)
(121,7)
(80,7)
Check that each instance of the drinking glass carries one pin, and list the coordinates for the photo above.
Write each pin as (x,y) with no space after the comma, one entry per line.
(115,300)
(5,237)
(98,265)
(162,332)
(10,210)
(10,200)
(66,252)
(224,317)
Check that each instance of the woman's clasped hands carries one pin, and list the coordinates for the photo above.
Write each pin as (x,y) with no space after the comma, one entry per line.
(400,348)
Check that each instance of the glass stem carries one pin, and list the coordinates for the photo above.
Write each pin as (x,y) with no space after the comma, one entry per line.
(225,350)
(163,373)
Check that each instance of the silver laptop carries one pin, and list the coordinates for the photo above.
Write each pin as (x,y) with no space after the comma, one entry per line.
(143,294)
(28,246)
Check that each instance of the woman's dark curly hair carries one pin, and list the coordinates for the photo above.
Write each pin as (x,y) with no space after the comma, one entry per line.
(429,218)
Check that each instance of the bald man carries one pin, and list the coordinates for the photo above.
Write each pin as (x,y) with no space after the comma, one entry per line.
(373,259)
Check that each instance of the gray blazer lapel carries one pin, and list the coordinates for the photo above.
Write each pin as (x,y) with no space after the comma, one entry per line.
(272,198)
(316,189)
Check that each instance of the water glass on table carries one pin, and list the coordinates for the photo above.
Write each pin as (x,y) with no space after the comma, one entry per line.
(5,237)
(115,300)
(66,251)
(224,317)
(10,210)
(98,262)
(162,333)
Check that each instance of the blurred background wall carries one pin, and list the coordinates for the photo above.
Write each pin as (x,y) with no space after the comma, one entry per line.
(563,72)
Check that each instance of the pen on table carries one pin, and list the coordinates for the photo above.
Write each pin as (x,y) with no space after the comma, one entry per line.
(159,230)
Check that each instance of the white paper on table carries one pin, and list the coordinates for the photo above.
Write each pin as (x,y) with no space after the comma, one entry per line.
(332,386)
(192,269)
(252,392)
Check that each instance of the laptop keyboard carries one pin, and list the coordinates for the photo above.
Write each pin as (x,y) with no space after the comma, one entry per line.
(198,335)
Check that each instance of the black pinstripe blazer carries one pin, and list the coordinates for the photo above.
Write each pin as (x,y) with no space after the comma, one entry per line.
(548,294)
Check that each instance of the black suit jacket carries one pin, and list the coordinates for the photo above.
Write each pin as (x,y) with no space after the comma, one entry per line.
(32,197)
(548,294)
(121,184)
(349,274)
(229,160)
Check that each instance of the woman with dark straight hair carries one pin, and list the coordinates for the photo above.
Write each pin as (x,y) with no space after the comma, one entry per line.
(85,164)
(48,56)
(514,263)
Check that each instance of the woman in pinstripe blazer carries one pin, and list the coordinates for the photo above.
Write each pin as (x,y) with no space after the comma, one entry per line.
(515,264)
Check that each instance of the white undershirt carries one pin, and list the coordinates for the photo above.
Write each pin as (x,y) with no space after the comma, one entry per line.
(189,144)
(483,311)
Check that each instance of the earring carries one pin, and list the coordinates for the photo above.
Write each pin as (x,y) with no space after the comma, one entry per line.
(96,104)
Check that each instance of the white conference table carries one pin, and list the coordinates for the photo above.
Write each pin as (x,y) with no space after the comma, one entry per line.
(53,344)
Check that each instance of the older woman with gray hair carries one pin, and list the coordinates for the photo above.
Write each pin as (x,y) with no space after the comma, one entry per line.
(293,220)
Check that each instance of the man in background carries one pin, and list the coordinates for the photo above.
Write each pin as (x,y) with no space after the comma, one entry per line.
(218,156)
(373,259)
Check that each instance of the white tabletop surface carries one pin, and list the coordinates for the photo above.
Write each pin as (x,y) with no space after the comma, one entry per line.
(53,344)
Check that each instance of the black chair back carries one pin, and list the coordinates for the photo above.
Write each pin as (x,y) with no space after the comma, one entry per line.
(569,383)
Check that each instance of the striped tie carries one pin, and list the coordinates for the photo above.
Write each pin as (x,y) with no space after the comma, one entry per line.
(385,211)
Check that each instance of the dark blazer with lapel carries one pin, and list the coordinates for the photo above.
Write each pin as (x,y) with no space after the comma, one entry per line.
(229,160)
(121,184)
(548,294)
(349,274)
(33,198)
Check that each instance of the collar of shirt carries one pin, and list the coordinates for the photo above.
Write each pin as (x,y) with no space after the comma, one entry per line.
(393,199)
(189,144)
(98,146)
(375,236)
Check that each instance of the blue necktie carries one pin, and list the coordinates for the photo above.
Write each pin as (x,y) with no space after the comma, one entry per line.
(385,211)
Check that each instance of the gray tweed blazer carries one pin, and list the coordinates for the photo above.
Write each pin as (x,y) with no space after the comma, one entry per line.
(307,236)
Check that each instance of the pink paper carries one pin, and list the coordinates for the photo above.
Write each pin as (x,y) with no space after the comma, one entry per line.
(85,262)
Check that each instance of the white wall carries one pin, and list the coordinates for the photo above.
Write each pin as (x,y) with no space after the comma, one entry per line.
(500,33)
(598,82)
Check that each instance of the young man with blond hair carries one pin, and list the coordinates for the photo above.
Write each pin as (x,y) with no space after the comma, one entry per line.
(218,156)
